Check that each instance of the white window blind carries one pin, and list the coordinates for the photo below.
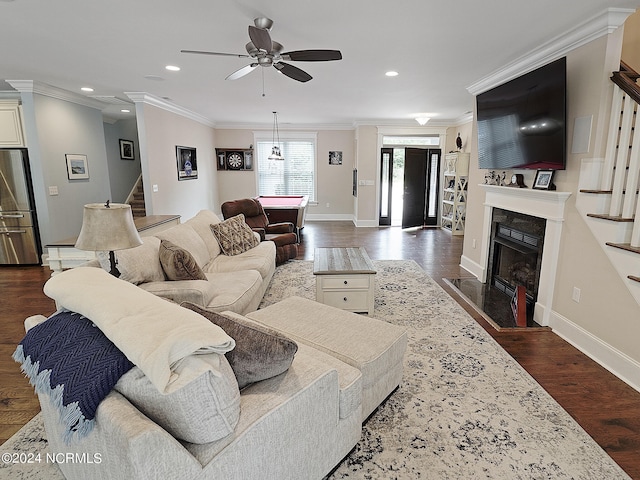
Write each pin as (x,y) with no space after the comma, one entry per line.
(295,175)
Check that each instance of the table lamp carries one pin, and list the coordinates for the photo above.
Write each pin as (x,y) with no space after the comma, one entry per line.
(108,227)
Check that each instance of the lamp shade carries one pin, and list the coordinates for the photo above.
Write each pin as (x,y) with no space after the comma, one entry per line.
(107,227)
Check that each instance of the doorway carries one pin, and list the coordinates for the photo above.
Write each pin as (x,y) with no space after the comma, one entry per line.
(409,182)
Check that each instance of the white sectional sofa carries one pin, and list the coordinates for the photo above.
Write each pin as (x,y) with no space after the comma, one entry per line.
(298,424)
(235,283)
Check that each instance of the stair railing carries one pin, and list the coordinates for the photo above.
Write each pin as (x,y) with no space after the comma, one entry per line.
(622,159)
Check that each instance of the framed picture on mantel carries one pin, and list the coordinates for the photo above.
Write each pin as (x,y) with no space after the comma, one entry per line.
(544,180)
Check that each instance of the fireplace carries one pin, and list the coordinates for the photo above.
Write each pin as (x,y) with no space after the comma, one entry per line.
(546,205)
(515,253)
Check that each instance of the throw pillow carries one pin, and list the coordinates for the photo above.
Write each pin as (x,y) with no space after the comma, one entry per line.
(204,408)
(178,264)
(139,264)
(260,352)
(234,235)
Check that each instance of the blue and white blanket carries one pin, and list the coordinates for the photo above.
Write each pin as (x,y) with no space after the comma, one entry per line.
(71,360)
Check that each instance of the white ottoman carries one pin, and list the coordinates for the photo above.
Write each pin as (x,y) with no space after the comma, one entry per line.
(378,352)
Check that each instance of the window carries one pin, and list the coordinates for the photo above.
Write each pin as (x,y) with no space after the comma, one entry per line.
(295,175)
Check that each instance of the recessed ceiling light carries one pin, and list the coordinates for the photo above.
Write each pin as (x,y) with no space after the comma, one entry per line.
(391,73)
(172,68)
(124,110)
(87,89)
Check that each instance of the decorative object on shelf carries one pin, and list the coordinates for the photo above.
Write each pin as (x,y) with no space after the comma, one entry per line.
(108,227)
(459,142)
(77,167)
(517,180)
(126,149)
(544,180)
(275,150)
(235,159)
(335,158)
(187,163)
(493,178)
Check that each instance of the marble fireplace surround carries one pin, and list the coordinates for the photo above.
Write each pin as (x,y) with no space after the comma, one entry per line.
(549,205)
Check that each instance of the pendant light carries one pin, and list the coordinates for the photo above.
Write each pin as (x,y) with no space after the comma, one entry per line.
(275,150)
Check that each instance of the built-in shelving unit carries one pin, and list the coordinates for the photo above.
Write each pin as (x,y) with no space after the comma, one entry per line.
(454,194)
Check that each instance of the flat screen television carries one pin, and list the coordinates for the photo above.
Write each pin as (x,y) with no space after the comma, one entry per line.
(522,123)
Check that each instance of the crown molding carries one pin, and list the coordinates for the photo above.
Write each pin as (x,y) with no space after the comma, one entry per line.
(149,99)
(589,30)
(285,126)
(32,86)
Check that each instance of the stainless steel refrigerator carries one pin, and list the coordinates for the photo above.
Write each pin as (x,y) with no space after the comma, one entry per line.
(19,239)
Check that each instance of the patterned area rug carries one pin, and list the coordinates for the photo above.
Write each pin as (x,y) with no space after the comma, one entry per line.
(465,408)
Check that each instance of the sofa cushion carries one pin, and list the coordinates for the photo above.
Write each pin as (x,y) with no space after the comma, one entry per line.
(139,264)
(260,351)
(234,235)
(178,264)
(261,258)
(185,236)
(201,223)
(237,291)
(204,408)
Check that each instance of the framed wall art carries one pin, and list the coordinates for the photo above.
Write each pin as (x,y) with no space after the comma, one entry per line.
(187,163)
(234,158)
(77,167)
(335,158)
(126,149)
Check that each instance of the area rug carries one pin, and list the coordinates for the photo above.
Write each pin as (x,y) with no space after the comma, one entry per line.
(465,408)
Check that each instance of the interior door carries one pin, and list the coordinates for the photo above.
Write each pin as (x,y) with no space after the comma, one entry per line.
(421,173)
(386,180)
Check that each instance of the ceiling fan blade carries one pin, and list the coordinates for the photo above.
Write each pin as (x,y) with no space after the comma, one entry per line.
(247,69)
(292,72)
(313,55)
(260,38)
(200,52)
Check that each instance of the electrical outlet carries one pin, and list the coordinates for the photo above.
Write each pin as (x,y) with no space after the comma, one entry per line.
(53,190)
(576,295)
(327,204)
(155,188)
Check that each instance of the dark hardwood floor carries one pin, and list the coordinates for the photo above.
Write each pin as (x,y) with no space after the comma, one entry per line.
(607,408)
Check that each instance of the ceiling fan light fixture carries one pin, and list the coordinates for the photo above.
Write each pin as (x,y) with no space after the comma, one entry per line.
(275,150)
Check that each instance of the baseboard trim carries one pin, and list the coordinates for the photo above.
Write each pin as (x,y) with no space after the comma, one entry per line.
(472,267)
(618,363)
(328,217)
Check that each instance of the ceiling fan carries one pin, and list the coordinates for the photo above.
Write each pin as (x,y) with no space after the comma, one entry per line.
(268,53)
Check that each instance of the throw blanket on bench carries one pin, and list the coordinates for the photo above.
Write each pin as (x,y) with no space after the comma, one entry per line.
(71,360)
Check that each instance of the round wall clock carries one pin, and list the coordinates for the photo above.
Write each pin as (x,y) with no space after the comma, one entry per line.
(235,160)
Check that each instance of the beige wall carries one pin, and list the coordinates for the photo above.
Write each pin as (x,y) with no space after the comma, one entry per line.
(606,312)
(366,209)
(631,41)
(333,183)
(160,132)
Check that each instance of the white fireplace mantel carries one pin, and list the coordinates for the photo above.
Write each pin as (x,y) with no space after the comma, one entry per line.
(549,205)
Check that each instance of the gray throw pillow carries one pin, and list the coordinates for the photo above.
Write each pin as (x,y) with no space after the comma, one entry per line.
(234,235)
(260,352)
(178,264)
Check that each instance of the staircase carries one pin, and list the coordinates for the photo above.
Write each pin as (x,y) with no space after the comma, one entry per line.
(608,197)
(136,199)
